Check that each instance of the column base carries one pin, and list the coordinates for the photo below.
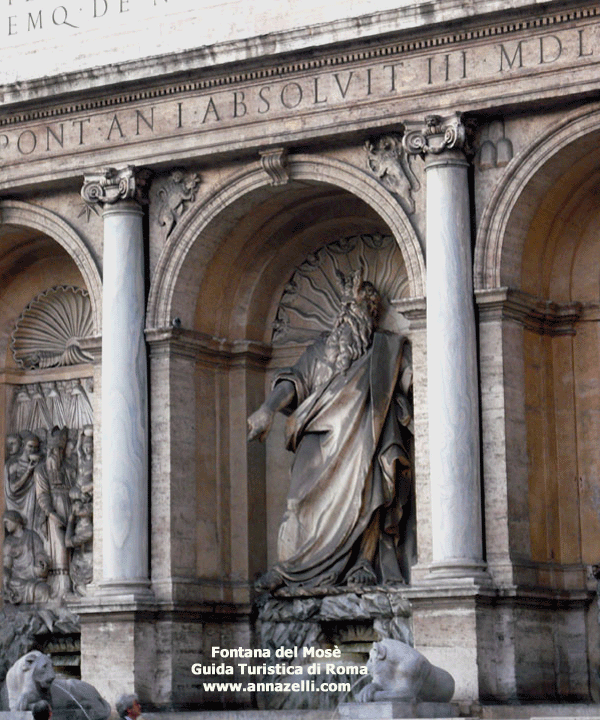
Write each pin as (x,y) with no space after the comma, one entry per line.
(136,587)
(451,572)
(458,569)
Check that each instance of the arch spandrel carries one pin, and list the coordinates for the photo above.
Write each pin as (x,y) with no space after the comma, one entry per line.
(246,189)
(27,216)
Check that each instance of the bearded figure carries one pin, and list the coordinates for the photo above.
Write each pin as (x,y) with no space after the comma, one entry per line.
(349,425)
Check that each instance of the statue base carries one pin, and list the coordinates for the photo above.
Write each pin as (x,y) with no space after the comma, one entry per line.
(391,709)
(53,629)
(327,634)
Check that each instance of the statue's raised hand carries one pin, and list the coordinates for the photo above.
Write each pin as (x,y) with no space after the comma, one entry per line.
(259,423)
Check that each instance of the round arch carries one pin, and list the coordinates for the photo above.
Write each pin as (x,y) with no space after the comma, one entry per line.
(301,168)
(13,212)
(529,177)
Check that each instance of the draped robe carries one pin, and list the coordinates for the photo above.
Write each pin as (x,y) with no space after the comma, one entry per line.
(349,452)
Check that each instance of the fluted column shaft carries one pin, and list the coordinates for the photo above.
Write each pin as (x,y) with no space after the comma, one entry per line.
(452,379)
(124,404)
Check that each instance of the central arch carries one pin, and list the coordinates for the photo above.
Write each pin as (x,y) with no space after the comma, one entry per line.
(253,182)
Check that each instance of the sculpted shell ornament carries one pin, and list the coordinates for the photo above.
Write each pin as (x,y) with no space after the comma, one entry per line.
(311,297)
(49,330)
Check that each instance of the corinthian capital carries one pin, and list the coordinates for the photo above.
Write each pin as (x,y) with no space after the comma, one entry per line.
(111,185)
(436,135)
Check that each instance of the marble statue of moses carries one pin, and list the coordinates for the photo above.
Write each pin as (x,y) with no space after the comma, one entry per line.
(348,418)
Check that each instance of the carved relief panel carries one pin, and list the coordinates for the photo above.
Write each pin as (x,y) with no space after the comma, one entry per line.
(48,470)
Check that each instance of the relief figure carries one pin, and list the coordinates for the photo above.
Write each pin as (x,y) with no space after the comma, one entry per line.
(25,562)
(19,488)
(52,485)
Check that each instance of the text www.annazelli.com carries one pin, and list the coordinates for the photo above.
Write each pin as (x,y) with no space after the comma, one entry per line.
(302,686)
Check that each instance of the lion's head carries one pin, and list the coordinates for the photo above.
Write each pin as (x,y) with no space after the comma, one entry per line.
(29,680)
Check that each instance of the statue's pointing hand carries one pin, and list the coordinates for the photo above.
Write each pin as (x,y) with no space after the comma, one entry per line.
(259,423)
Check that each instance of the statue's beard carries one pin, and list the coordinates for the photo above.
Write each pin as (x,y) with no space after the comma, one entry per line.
(351,336)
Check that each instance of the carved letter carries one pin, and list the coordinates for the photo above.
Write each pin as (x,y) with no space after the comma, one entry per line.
(210,108)
(59,139)
(115,125)
(517,54)
(557,49)
(139,116)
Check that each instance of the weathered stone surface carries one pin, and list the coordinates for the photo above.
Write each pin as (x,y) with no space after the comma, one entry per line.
(273,109)
(383,710)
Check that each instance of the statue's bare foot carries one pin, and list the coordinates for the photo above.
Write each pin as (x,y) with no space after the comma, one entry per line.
(362,574)
(270,581)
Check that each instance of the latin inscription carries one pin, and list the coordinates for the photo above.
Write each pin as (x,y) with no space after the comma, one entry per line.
(32,20)
(298,96)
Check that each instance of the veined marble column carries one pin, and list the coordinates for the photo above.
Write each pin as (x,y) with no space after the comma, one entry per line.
(124,381)
(451,350)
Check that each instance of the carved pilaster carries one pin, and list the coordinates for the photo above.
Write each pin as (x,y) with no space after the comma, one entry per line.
(110,185)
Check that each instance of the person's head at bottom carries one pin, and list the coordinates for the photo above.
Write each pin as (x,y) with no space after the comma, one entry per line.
(128,706)
(41,710)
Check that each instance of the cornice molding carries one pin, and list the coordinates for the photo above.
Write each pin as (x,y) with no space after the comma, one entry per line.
(194,345)
(544,317)
(438,41)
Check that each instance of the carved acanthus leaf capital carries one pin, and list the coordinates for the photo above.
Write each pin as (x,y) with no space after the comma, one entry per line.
(436,135)
(111,185)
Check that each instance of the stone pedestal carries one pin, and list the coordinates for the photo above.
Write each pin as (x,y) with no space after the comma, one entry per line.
(349,619)
(447,622)
(119,647)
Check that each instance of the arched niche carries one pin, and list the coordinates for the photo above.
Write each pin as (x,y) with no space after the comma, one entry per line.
(248,196)
(223,277)
(50,292)
(539,237)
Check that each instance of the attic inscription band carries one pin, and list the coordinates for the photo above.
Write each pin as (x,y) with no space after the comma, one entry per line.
(398,76)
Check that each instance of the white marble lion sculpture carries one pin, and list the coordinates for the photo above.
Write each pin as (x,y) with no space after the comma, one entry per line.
(32,678)
(402,673)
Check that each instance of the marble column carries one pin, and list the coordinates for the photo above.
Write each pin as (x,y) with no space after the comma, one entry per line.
(457,548)
(124,404)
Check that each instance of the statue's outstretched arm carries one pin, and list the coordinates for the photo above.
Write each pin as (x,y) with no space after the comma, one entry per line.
(259,423)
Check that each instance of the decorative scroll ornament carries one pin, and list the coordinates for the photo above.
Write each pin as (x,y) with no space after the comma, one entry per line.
(311,298)
(179,191)
(111,185)
(389,162)
(437,135)
(274,163)
(49,330)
